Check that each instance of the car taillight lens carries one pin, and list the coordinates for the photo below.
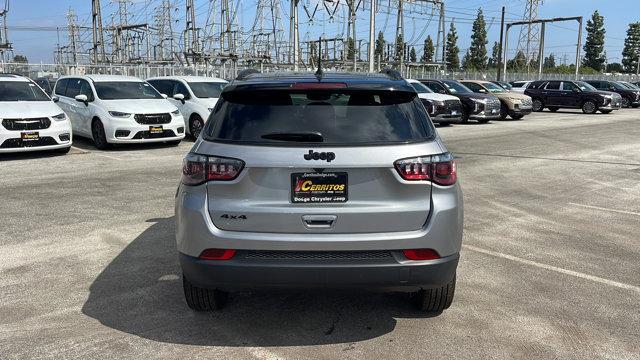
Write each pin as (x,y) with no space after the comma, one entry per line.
(217,254)
(421,254)
(198,169)
(440,169)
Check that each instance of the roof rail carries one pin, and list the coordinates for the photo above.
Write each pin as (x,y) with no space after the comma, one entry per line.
(245,73)
(393,74)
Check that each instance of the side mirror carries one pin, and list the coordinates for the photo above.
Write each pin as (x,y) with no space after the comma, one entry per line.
(82,98)
(164,96)
(55,99)
(179,97)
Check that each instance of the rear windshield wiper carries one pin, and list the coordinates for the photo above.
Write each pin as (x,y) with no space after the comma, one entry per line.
(295,137)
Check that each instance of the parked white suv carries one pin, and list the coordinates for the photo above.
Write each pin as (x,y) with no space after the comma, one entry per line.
(195,96)
(30,120)
(114,109)
(443,109)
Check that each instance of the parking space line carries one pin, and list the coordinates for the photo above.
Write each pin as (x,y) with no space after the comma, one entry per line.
(107,156)
(606,209)
(553,268)
(81,150)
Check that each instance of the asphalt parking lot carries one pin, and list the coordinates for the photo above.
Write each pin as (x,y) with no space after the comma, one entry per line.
(550,264)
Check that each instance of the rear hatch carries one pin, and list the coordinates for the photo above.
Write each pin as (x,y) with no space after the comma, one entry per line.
(319,160)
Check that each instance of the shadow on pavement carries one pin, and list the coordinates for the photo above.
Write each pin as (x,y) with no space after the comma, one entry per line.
(140,293)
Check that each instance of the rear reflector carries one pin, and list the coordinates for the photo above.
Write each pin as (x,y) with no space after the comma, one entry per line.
(421,254)
(217,254)
(317,86)
(440,169)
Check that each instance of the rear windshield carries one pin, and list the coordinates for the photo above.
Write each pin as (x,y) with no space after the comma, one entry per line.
(319,117)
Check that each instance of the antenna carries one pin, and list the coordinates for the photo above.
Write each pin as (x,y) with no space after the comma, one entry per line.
(319,71)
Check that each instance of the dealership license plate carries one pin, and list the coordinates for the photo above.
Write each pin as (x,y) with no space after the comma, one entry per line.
(319,187)
(156,130)
(30,136)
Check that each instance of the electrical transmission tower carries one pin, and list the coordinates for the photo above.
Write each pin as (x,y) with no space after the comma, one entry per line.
(5,45)
(268,31)
(529,39)
(72,26)
(164,49)
(191,34)
(98,32)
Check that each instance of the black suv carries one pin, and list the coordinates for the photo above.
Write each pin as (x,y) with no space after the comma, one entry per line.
(630,97)
(480,107)
(556,94)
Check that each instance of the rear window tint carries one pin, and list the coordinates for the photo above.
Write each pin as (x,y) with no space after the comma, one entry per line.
(341,118)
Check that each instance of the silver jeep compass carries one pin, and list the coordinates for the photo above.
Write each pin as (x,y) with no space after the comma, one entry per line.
(319,181)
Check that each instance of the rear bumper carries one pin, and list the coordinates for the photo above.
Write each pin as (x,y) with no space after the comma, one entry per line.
(393,273)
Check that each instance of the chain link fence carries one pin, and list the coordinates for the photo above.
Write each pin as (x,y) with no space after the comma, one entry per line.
(229,71)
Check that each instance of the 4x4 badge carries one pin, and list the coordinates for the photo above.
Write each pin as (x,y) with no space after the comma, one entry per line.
(312,155)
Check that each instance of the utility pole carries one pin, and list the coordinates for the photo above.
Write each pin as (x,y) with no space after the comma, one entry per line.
(294,37)
(541,50)
(372,35)
(578,46)
(98,32)
(73,30)
(499,74)
(400,35)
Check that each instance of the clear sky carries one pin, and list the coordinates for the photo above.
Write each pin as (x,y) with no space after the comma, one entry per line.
(38,46)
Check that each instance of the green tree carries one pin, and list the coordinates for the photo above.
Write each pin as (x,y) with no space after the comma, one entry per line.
(494,60)
(380,43)
(466,61)
(429,50)
(631,51)
(478,50)
(615,68)
(20,59)
(412,55)
(594,56)
(453,51)
(549,62)
(518,62)
(399,47)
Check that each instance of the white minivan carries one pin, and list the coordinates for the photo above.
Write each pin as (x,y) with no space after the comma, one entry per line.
(29,119)
(115,109)
(195,96)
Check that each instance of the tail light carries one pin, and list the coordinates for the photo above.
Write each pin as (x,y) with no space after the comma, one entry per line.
(440,169)
(421,254)
(198,169)
(217,254)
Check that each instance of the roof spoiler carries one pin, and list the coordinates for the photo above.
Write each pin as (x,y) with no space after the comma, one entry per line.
(245,73)
(393,74)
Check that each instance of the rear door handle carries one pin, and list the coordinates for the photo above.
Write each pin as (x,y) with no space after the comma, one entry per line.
(319,221)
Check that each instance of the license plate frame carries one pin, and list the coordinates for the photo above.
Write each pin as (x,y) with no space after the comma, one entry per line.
(319,188)
(156,130)
(30,136)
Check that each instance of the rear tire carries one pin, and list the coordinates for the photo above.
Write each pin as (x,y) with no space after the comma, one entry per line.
(589,107)
(537,105)
(553,108)
(435,300)
(200,299)
(517,116)
(465,117)
(99,137)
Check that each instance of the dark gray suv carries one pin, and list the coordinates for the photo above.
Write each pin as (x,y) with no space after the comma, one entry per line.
(319,181)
